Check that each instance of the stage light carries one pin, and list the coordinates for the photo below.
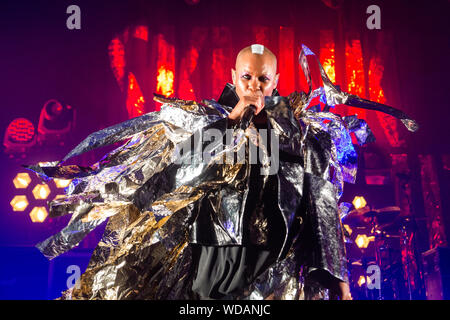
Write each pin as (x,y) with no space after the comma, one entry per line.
(41,191)
(116,52)
(349,230)
(327,53)
(164,81)
(333,4)
(62,183)
(55,122)
(19,203)
(359,202)
(38,214)
(361,280)
(141,32)
(22,180)
(362,241)
(135,99)
(20,135)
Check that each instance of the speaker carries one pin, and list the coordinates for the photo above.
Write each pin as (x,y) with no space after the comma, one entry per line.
(436,267)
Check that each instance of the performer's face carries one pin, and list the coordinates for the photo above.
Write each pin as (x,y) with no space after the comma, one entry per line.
(255,72)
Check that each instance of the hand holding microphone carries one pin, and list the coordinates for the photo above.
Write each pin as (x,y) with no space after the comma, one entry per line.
(247,116)
(247,107)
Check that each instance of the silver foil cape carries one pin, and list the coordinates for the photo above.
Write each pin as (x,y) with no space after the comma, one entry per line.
(149,191)
(333,96)
(150,199)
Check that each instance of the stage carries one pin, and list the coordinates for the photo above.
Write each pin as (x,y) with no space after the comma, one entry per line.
(70,69)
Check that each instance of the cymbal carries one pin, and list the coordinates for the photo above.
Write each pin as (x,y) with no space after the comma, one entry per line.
(382,212)
(388,228)
(355,215)
(383,215)
(407,223)
(363,215)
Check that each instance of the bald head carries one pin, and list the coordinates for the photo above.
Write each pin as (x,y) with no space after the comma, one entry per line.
(257,52)
(256,71)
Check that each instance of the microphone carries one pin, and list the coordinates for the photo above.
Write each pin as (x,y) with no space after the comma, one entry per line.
(247,116)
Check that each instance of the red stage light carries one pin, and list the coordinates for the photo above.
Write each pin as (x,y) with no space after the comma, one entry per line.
(116,51)
(165,68)
(20,135)
(141,32)
(333,4)
(135,98)
(20,130)
(165,81)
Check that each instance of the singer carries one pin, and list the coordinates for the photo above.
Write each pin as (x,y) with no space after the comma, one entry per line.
(255,76)
(225,272)
(209,229)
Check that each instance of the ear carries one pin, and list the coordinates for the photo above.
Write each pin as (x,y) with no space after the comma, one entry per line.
(233,76)
(276,79)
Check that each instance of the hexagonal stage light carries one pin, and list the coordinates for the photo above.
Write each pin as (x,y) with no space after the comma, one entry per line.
(38,214)
(19,203)
(359,202)
(41,191)
(362,241)
(22,180)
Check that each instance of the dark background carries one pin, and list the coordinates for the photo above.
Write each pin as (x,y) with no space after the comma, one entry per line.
(41,58)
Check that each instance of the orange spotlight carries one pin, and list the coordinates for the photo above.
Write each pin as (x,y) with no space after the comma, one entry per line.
(359,202)
(361,280)
(38,214)
(19,203)
(22,180)
(362,241)
(41,191)
(62,183)
(164,81)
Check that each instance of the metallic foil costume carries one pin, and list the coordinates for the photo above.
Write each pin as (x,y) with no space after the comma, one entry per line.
(149,192)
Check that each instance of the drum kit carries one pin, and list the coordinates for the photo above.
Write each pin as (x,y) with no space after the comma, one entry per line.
(381,254)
